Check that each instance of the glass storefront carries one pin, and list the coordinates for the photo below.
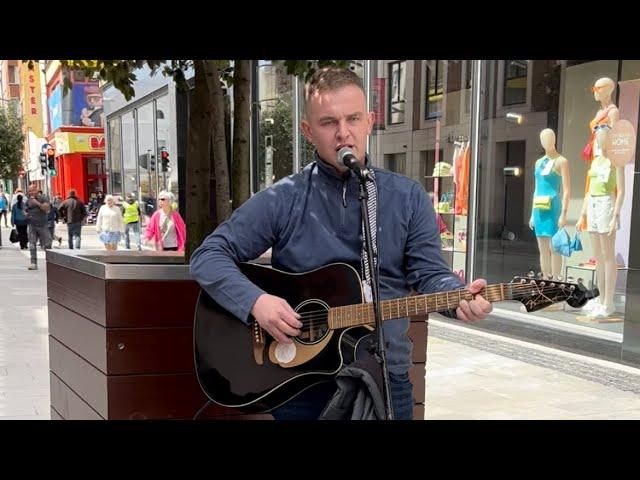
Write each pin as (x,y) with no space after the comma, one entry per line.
(422,131)
(137,137)
(488,156)
(544,129)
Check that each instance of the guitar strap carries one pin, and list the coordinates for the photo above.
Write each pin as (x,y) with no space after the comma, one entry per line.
(372,208)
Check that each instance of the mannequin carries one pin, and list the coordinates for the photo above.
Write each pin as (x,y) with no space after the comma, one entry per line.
(608,113)
(601,211)
(551,172)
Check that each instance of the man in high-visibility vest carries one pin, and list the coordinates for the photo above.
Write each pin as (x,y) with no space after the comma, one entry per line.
(132,218)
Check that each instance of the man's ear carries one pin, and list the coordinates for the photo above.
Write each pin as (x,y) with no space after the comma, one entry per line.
(306,130)
(371,118)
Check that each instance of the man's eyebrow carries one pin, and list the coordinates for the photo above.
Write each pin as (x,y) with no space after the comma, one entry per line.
(331,117)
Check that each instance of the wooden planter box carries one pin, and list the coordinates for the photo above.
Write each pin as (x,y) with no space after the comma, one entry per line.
(121,344)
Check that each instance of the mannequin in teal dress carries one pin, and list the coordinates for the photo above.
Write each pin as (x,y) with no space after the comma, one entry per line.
(549,208)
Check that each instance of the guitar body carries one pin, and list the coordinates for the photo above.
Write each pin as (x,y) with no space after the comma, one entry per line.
(236,370)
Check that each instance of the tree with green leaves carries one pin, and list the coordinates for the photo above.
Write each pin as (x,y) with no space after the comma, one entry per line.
(206,145)
(11,142)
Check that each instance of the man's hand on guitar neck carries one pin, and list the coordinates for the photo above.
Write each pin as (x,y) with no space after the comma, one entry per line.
(277,317)
(476,309)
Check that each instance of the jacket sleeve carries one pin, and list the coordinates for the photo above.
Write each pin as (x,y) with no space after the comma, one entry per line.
(62,210)
(99,221)
(250,231)
(149,232)
(427,271)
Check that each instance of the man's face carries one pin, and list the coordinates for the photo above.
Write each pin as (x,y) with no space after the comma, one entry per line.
(337,119)
(33,191)
(94,100)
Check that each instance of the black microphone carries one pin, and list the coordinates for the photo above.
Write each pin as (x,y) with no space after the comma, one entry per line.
(349,160)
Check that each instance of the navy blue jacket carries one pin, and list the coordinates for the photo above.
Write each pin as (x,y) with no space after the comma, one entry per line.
(313,218)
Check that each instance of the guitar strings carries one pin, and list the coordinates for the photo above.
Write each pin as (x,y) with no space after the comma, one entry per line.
(312,316)
(322,314)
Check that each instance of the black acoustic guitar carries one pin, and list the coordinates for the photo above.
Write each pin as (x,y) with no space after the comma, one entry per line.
(243,367)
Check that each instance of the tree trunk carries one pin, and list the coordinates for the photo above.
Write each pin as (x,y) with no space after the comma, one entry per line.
(241,121)
(198,164)
(223,204)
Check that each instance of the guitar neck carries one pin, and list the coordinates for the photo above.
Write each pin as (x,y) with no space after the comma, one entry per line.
(363,314)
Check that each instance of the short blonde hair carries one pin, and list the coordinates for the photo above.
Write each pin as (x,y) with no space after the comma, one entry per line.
(170,198)
(109,197)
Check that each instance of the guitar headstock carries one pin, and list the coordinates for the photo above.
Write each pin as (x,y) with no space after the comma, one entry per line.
(536,293)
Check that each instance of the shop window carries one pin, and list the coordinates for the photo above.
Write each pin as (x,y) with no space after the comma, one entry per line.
(434,88)
(515,82)
(397,87)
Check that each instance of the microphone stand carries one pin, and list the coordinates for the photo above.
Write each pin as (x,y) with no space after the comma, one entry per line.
(379,349)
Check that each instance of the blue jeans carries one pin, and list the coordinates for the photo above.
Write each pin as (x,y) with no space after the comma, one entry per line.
(135,228)
(35,234)
(310,403)
(74,230)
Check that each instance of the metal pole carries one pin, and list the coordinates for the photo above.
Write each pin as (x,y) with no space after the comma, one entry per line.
(474,163)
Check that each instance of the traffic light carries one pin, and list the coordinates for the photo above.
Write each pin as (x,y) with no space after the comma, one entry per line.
(152,162)
(43,162)
(164,161)
(51,161)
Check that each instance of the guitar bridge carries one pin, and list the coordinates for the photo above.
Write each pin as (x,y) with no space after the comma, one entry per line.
(257,338)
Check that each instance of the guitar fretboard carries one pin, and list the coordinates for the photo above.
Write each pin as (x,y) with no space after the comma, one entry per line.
(362,314)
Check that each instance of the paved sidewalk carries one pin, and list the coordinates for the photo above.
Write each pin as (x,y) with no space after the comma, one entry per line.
(478,375)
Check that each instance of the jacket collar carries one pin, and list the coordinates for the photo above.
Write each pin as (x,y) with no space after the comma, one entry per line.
(330,173)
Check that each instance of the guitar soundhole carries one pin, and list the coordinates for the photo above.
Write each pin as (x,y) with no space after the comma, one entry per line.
(315,321)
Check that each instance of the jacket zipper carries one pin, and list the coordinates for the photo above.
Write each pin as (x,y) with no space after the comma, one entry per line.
(344,204)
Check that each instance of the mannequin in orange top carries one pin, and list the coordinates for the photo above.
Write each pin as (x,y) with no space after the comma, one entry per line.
(607,115)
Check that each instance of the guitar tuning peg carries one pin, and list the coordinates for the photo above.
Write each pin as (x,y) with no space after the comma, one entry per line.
(560,277)
(580,280)
(550,277)
(540,275)
(530,274)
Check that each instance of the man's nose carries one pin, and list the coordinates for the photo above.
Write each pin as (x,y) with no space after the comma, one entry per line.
(343,130)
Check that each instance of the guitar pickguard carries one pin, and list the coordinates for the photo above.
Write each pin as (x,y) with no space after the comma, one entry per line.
(303,353)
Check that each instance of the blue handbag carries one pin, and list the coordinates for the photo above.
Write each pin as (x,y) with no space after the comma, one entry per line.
(561,243)
(576,243)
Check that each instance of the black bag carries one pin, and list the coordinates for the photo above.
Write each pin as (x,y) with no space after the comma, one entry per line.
(13,236)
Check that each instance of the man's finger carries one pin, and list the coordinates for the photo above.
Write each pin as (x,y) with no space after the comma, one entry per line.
(468,314)
(291,319)
(278,335)
(287,329)
(477,285)
(460,314)
(476,309)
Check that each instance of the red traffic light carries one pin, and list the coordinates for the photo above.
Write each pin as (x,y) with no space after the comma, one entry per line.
(164,154)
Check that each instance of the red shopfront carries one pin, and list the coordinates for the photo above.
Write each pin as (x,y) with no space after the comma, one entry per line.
(80,161)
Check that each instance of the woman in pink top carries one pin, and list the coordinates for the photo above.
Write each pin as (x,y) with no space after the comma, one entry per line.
(166,227)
